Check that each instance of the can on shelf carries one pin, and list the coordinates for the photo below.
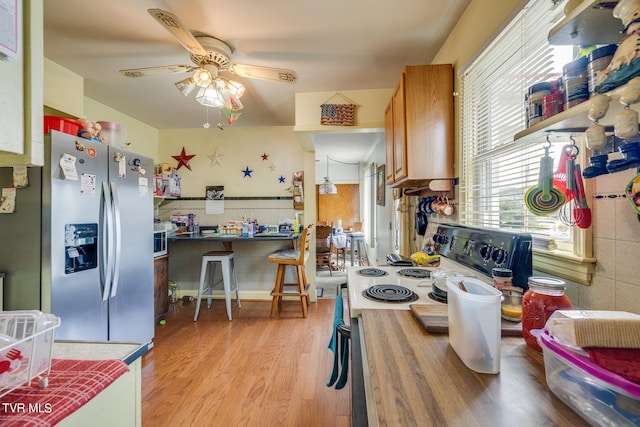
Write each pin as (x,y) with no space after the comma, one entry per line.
(576,85)
(535,95)
(598,60)
(552,104)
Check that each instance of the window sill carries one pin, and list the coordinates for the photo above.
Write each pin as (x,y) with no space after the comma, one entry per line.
(564,265)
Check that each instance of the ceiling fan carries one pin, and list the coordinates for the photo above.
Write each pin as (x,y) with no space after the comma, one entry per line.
(210,55)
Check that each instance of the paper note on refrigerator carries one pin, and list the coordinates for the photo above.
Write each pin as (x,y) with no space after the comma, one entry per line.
(8,200)
(143,186)
(20,178)
(88,184)
(68,166)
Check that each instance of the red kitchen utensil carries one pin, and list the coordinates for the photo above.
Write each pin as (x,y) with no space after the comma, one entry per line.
(568,154)
(568,211)
(582,212)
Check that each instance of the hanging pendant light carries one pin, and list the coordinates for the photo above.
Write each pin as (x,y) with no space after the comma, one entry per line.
(327,187)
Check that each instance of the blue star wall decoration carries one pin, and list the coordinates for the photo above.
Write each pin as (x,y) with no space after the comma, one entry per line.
(281,179)
(247,172)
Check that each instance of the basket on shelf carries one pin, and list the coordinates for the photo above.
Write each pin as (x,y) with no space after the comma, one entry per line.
(338,114)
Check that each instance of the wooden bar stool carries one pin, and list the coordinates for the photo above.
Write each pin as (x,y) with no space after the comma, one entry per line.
(296,258)
(226,260)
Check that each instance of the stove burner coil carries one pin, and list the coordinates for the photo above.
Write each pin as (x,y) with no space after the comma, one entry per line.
(416,273)
(371,272)
(437,297)
(390,293)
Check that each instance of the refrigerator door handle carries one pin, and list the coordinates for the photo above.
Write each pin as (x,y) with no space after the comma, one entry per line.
(107,241)
(118,239)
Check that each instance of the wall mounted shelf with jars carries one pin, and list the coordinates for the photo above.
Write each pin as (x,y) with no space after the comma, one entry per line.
(589,23)
(573,120)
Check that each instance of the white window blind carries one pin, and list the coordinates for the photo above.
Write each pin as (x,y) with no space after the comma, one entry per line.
(496,171)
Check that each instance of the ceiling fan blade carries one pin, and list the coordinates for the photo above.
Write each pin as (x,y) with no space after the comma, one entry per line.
(157,71)
(171,22)
(264,73)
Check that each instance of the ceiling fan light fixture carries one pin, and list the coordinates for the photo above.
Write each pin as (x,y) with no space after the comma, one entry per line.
(236,88)
(186,86)
(210,96)
(202,77)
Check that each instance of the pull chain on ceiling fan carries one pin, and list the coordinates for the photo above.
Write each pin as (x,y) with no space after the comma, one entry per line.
(210,56)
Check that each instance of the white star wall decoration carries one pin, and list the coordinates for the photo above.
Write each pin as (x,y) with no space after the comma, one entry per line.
(216,158)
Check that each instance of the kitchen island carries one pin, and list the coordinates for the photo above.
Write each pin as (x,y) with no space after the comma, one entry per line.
(414,378)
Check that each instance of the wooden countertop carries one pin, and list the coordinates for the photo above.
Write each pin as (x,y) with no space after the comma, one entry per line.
(417,379)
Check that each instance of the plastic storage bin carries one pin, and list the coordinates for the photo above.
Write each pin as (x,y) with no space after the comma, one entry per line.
(26,342)
(599,396)
(62,124)
(474,323)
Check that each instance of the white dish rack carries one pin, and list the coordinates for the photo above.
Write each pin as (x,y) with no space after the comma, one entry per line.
(26,343)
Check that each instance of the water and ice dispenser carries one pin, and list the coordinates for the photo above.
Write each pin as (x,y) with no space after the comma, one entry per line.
(81,247)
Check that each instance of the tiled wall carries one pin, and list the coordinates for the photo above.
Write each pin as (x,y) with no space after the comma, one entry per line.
(616,232)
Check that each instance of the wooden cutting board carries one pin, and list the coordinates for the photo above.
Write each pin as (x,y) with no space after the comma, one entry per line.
(435,319)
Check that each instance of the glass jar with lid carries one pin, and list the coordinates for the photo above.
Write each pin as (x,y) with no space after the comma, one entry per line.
(544,296)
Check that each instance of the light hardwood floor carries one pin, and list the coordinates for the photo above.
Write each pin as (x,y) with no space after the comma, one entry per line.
(251,371)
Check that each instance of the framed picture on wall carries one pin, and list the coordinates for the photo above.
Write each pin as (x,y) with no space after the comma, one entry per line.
(380,181)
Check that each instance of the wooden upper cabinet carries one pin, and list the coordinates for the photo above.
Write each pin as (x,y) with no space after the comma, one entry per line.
(388,137)
(419,127)
(399,132)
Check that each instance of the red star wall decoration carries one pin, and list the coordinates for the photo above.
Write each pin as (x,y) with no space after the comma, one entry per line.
(183,159)
(265,156)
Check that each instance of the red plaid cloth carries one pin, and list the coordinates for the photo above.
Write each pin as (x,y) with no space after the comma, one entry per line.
(621,361)
(72,383)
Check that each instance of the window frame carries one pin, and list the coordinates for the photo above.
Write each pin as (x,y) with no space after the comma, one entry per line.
(571,258)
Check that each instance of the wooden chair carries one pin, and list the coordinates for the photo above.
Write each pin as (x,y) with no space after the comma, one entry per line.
(297,258)
(324,250)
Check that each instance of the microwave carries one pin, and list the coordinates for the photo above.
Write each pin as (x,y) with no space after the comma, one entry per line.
(159,242)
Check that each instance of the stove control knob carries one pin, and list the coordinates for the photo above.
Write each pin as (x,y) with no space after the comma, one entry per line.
(438,238)
(499,256)
(485,252)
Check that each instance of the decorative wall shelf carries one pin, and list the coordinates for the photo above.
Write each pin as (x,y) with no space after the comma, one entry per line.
(574,120)
(590,23)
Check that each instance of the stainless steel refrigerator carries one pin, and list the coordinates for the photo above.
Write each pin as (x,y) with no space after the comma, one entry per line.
(80,242)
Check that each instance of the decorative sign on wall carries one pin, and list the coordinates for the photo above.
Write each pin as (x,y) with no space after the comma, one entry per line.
(338,114)
(214,199)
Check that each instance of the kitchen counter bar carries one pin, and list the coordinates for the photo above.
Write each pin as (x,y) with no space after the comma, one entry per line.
(226,239)
(414,378)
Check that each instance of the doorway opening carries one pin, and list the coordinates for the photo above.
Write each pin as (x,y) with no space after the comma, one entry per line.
(341,210)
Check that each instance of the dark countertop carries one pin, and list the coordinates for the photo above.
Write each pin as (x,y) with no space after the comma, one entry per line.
(415,378)
(216,237)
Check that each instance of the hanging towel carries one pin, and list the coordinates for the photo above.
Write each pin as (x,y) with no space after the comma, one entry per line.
(339,345)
